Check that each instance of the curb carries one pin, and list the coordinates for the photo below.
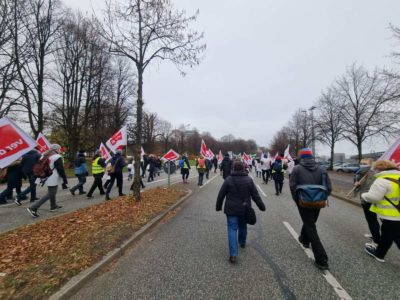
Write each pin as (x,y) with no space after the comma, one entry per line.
(78,281)
(358,204)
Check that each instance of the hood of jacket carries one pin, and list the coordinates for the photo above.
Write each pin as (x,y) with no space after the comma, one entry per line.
(309,164)
(239,173)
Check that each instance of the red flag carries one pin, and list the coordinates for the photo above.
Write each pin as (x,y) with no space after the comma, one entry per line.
(393,153)
(209,155)
(220,157)
(171,155)
(247,158)
(104,152)
(203,149)
(43,143)
(14,142)
(117,140)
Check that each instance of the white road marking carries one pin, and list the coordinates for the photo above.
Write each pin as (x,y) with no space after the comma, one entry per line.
(339,290)
(209,181)
(262,192)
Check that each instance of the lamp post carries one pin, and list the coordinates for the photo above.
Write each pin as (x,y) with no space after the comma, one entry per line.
(311,109)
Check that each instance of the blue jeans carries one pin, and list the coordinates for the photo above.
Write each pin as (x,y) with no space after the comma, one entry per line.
(81,182)
(235,224)
(30,189)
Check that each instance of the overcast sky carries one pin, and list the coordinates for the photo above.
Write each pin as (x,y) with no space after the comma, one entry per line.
(265,59)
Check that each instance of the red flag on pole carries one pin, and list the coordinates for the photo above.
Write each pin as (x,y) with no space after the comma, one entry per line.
(247,158)
(104,152)
(171,155)
(203,148)
(209,155)
(220,157)
(14,142)
(118,140)
(393,153)
(43,143)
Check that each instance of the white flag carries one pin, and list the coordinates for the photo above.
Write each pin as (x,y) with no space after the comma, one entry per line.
(117,140)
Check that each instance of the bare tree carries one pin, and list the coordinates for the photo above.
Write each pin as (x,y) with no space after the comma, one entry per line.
(36,25)
(371,105)
(166,134)
(328,123)
(145,31)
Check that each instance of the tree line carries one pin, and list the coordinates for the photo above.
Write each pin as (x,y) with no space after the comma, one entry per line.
(357,106)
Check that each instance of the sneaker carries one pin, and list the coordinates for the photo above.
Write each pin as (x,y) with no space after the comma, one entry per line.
(368,236)
(72,192)
(17,201)
(33,212)
(103,193)
(90,196)
(108,197)
(82,193)
(322,266)
(242,246)
(55,208)
(121,195)
(372,251)
(371,245)
(233,259)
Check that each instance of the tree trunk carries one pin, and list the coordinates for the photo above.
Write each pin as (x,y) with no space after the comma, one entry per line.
(137,146)
(332,154)
(359,149)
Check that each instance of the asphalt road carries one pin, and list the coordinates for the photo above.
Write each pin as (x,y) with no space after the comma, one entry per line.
(187,257)
(13,216)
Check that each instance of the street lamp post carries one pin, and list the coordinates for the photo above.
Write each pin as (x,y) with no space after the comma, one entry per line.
(312,129)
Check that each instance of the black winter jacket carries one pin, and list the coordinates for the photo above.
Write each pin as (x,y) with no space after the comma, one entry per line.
(29,160)
(226,167)
(119,162)
(307,172)
(237,188)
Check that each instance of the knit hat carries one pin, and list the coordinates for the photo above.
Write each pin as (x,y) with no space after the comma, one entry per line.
(306,153)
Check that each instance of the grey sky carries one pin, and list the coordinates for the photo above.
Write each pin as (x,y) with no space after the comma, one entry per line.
(265,59)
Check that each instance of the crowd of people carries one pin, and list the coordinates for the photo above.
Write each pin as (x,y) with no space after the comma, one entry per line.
(309,183)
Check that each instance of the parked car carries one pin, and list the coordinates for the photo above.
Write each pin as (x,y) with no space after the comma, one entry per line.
(347,168)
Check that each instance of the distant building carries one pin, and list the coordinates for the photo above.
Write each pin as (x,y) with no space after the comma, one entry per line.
(374,155)
(339,157)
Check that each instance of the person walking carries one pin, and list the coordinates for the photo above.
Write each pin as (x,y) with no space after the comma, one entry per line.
(117,166)
(152,167)
(215,163)
(226,166)
(208,167)
(133,175)
(308,172)
(201,166)
(265,168)
(81,172)
(363,182)
(384,197)
(278,174)
(143,164)
(28,161)
(130,168)
(238,189)
(258,168)
(14,181)
(98,169)
(58,176)
(184,164)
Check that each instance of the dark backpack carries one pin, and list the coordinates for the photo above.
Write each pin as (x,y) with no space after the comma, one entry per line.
(278,167)
(42,169)
(313,195)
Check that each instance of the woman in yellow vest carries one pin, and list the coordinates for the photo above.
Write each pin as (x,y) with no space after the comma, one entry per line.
(384,195)
(98,169)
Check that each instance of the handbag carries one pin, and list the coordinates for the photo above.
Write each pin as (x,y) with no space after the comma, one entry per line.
(250,214)
(313,195)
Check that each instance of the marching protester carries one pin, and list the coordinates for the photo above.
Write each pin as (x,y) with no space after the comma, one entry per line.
(28,161)
(384,197)
(226,166)
(238,189)
(158,165)
(130,167)
(132,171)
(56,164)
(208,167)
(14,181)
(278,174)
(364,179)
(152,167)
(80,172)
(143,165)
(98,169)
(184,164)
(117,166)
(201,169)
(265,168)
(308,172)
(215,163)
(258,168)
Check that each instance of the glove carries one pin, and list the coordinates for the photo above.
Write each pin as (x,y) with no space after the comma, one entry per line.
(64,186)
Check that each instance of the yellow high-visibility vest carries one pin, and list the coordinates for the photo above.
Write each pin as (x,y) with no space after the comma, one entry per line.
(384,207)
(96,168)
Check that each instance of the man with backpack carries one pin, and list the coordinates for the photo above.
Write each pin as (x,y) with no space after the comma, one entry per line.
(51,165)
(201,169)
(278,174)
(310,175)
(81,172)
(28,161)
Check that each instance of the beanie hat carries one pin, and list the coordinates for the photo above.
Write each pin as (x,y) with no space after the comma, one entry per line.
(306,153)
